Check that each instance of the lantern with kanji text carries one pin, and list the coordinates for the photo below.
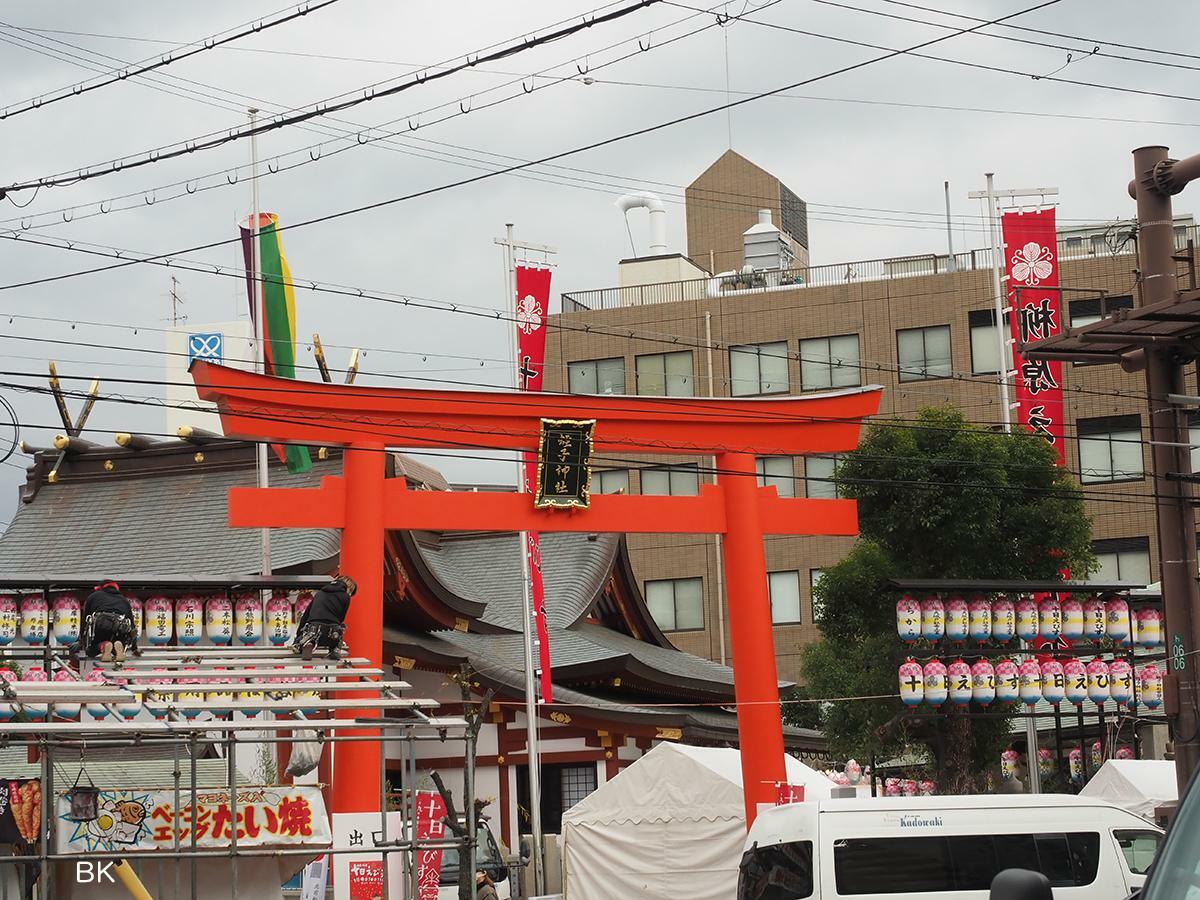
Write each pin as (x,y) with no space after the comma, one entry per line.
(1004,620)
(1151,681)
(10,618)
(1149,627)
(159,623)
(67,618)
(1095,623)
(1027,619)
(279,619)
(933,618)
(934,675)
(1008,681)
(983,682)
(1098,681)
(1072,619)
(957,620)
(1120,681)
(248,610)
(1050,620)
(218,620)
(189,620)
(34,619)
(1075,765)
(958,674)
(1030,674)
(908,616)
(979,619)
(1076,676)
(1010,763)
(1116,619)
(912,682)
(1054,682)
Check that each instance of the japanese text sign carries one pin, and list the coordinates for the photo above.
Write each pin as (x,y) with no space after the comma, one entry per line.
(564,475)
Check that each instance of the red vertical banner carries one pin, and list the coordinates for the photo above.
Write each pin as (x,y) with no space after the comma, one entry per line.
(431,826)
(1035,313)
(532,305)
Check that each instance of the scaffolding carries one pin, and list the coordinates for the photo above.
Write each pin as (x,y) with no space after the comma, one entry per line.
(183,699)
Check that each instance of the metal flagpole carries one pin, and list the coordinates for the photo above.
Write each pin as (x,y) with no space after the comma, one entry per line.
(256,315)
(527,623)
(951,263)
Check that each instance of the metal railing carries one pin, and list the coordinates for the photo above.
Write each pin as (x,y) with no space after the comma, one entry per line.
(1070,247)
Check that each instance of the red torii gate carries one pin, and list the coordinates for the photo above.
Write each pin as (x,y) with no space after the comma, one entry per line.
(364,504)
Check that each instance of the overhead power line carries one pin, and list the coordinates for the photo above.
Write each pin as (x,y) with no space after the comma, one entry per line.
(554,156)
(166,59)
(324,108)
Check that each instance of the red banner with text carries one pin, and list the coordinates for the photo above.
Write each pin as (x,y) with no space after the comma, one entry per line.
(1035,313)
(532,305)
(431,826)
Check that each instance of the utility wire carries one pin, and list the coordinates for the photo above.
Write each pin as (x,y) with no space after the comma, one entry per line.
(166,59)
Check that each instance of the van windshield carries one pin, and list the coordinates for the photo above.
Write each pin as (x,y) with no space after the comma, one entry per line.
(777,872)
(487,857)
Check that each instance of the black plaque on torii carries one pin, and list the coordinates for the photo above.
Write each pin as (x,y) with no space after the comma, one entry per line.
(564,471)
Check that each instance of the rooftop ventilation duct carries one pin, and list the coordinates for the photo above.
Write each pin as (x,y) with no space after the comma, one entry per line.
(658,217)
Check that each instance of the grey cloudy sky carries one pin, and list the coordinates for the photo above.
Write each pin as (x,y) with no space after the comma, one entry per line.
(867,139)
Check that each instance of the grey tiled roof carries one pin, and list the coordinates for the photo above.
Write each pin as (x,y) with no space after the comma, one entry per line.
(124,770)
(487,569)
(122,526)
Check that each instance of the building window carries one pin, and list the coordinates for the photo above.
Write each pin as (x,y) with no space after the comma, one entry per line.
(610,481)
(665,374)
(829,362)
(924,352)
(985,343)
(785,597)
(676,604)
(814,578)
(758,369)
(1122,560)
(820,473)
(1090,311)
(777,472)
(672,481)
(576,783)
(597,376)
(1110,449)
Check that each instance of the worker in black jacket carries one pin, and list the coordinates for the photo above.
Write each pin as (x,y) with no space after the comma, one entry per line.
(108,623)
(324,622)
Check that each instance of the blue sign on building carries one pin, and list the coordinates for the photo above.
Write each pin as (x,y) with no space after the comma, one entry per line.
(208,347)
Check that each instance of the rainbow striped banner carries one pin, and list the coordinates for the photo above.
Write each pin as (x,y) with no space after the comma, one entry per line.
(277,308)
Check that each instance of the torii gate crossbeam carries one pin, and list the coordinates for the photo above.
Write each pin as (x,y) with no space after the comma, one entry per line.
(365,504)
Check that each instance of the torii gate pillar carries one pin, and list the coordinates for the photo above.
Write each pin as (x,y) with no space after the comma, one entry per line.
(356,763)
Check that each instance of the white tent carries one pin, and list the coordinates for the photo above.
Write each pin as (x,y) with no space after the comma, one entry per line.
(1138,785)
(670,825)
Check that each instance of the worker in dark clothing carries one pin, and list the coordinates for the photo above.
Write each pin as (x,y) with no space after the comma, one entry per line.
(108,624)
(324,622)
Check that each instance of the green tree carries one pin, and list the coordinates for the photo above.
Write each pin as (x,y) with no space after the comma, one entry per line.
(937,498)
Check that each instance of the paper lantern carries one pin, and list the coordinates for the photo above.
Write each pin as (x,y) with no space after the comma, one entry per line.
(908,787)
(1097,756)
(135,605)
(959,675)
(305,598)
(1072,619)
(957,619)
(66,710)
(130,706)
(1010,763)
(1116,619)
(220,700)
(1120,681)
(6,709)
(1045,762)
(933,618)
(248,611)
(891,787)
(853,771)
(34,619)
(934,676)
(838,778)
(36,711)
(1030,675)
(1094,624)
(67,618)
(159,621)
(1124,753)
(218,620)
(97,710)
(193,696)
(979,619)
(189,620)
(1151,680)
(912,682)
(10,619)
(1004,620)
(160,676)
(279,620)
(1008,681)
(1149,627)
(1075,673)
(247,702)
(927,788)
(908,617)
(1027,619)
(1075,765)
(983,682)
(303,697)
(1054,682)
(1050,618)
(1097,678)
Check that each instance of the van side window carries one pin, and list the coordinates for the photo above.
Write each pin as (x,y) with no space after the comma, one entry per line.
(777,872)
(918,865)
(1139,848)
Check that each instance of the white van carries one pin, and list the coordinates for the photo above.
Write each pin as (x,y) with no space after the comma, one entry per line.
(943,847)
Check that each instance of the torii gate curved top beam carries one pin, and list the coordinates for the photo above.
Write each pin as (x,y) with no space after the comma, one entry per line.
(363,504)
(261,406)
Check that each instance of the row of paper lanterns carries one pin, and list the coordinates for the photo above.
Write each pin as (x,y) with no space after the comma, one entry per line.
(1007,682)
(1010,761)
(189,619)
(222,696)
(1001,620)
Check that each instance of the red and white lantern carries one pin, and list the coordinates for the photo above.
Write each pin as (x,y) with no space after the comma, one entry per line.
(1075,673)
(1050,618)
(97,710)
(983,682)
(933,618)
(1124,753)
(979,615)
(1027,619)
(159,621)
(36,711)
(10,619)
(912,682)
(1072,619)
(1098,681)
(248,611)
(908,616)
(66,710)
(7,711)
(957,620)
(1097,756)
(1095,624)
(1030,674)
(1004,620)
(279,620)
(1010,764)
(135,606)
(1054,682)
(1075,765)
(1151,681)
(1116,619)
(218,620)
(68,616)
(1120,681)
(959,675)
(934,676)
(1149,627)
(131,706)
(1008,681)
(34,619)
(189,620)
